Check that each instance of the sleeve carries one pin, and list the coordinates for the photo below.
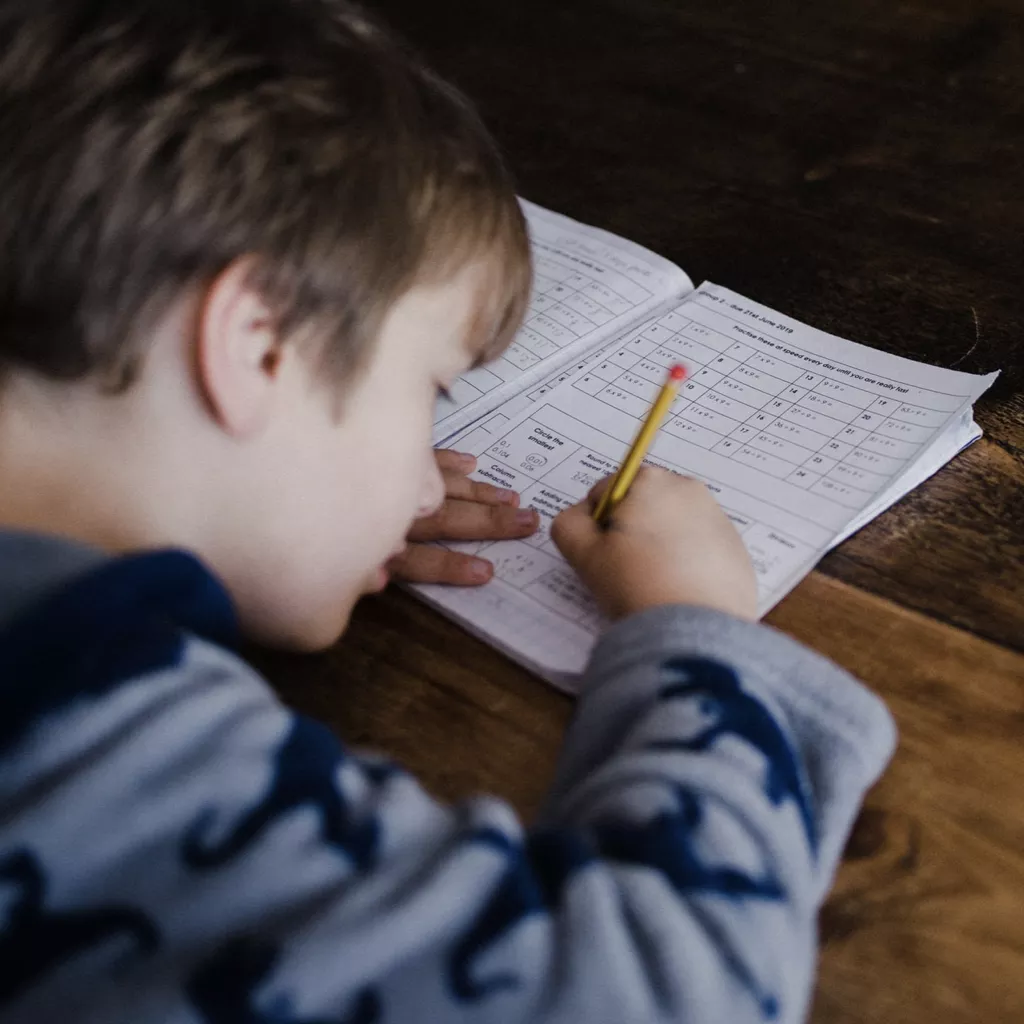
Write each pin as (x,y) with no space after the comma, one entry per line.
(706,787)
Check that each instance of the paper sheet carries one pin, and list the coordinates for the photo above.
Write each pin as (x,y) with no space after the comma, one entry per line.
(801,436)
(588,286)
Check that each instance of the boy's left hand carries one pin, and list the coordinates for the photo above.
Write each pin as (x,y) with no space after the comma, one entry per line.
(471,511)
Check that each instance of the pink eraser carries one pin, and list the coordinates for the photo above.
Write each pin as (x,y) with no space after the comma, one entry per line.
(678,372)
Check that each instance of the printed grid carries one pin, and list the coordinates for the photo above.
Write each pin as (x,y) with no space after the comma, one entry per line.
(566,304)
(808,429)
(554,466)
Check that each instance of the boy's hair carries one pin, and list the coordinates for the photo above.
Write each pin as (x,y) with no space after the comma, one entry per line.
(147,144)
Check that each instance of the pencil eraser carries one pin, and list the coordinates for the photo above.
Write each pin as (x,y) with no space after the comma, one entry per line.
(678,372)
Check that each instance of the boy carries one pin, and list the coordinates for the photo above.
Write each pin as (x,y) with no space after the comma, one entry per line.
(242,244)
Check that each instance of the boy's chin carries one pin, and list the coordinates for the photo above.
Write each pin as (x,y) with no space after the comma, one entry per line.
(377,580)
(315,627)
(329,627)
(314,632)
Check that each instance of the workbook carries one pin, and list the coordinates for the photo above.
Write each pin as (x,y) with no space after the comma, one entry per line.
(803,437)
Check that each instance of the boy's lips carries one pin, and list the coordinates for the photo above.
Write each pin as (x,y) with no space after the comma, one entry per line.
(382,574)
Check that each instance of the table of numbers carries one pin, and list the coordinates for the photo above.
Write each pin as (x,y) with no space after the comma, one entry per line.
(798,434)
(553,461)
(817,432)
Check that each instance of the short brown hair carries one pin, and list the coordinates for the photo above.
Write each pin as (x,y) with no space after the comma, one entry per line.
(147,144)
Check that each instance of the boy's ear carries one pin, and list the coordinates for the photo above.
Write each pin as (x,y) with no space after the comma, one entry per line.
(238,352)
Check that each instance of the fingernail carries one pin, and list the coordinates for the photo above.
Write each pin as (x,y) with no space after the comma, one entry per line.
(480,570)
(469,461)
(526,517)
(508,497)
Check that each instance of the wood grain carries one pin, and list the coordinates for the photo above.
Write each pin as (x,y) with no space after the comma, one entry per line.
(926,921)
(953,548)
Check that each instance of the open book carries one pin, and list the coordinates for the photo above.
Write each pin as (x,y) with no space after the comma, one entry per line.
(802,436)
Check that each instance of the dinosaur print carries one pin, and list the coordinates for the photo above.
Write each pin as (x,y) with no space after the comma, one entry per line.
(34,940)
(522,891)
(536,875)
(305,770)
(733,712)
(223,990)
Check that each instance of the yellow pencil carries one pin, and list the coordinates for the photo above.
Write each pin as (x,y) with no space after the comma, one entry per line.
(634,459)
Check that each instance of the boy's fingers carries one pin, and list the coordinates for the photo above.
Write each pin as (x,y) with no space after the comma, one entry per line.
(595,492)
(461,487)
(471,520)
(574,529)
(449,461)
(425,563)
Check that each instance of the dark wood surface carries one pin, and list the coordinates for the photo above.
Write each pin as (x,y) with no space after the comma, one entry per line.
(859,166)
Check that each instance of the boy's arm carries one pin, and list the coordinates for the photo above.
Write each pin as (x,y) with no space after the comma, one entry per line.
(708,783)
(201,854)
(714,683)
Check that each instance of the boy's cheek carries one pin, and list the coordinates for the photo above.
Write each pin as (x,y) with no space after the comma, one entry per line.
(432,488)
(431,501)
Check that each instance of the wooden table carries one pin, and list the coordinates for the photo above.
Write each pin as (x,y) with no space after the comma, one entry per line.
(859,166)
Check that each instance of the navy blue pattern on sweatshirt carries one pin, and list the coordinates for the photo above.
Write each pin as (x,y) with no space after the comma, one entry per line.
(537,873)
(224,990)
(115,624)
(734,712)
(530,884)
(34,939)
(305,770)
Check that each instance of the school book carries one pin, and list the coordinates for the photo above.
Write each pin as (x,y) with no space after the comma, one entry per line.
(802,436)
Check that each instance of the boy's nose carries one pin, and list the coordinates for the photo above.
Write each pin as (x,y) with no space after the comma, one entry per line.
(432,492)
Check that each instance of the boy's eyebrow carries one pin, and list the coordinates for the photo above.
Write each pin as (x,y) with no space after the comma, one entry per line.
(497,313)
(477,340)
(481,352)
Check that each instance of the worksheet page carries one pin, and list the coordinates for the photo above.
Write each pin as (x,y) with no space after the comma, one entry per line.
(589,285)
(798,434)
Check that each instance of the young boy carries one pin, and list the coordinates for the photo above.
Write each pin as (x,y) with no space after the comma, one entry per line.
(242,244)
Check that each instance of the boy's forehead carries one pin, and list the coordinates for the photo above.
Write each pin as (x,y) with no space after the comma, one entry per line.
(468,312)
(485,336)
(466,308)
(448,312)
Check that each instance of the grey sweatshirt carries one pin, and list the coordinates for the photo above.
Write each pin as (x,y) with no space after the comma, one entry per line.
(177,846)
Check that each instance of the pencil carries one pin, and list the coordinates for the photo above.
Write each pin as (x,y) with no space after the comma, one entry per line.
(634,459)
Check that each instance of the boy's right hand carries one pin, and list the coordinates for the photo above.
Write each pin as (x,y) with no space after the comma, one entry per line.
(667,542)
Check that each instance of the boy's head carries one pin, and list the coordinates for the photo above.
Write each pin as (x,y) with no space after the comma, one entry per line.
(242,243)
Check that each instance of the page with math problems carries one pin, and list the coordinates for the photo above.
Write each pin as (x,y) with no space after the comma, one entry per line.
(589,285)
(797,433)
